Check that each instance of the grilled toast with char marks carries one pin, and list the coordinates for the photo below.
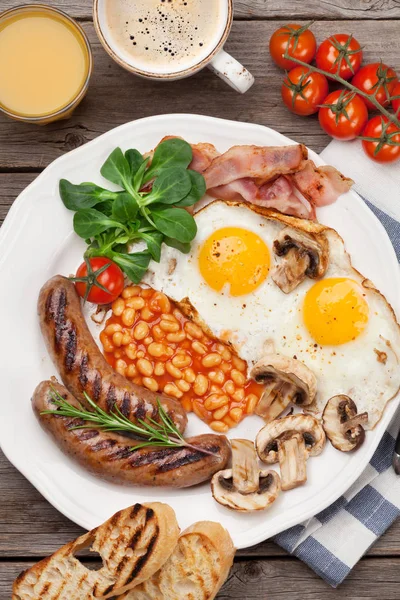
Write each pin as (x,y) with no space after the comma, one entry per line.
(134,544)
(196,570)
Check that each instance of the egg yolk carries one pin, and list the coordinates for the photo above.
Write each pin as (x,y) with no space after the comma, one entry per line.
(335,311)
(234,256)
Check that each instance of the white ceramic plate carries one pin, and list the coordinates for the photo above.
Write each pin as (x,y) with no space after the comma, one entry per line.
(37,241)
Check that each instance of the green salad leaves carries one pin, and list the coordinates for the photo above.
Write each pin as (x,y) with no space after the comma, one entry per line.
(150,207)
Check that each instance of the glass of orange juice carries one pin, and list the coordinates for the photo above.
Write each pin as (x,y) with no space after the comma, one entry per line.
(45,64)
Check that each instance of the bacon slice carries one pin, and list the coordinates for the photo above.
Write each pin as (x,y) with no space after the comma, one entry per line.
(203,155)
(262,163)
(320,185)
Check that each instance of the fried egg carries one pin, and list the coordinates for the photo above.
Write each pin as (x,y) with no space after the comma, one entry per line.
(340,326)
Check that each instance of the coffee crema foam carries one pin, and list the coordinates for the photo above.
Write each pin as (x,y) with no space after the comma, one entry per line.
(163,36)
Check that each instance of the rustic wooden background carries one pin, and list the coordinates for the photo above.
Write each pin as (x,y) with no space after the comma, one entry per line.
(29,527)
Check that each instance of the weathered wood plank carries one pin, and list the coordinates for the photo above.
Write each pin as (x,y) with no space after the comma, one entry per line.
(269,9)
(116,96)
(371,579)
(31,527)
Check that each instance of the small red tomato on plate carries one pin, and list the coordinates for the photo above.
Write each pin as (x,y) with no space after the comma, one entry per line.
(340,54)
(343,115)
(381,140)
(303,91)
(377,79)
(396,99)
(297,39)
(99,280)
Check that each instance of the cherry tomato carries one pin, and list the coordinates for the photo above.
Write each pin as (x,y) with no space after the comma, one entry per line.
(340,54)
(99,280)
(373,79)
(347,117)
(396,100)
(383,132)
(301,45)
(303,91)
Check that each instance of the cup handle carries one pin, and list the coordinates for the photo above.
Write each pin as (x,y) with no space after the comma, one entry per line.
(231,71)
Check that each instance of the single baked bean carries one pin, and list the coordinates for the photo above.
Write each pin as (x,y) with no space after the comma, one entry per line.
(118,307)
(251,403)
(236,414)
(141,331)
(113,328)
(220,412)
(169,326)
(225,367)
(172,370)
(144,367)
(126,339)
(238,363)
(229,421)
(177,337)
(199,348)
(136,302)
(131,371)
(219,426)
(150,383)
(189,375)
(215,389)
(120,366)
(146,314)
(226,354)
(238,377)
(140,354)
(148,340)
(130,351)
(193,330)
(183,385)
(117,338)
(181,360)
(199,410)
(171,390)
(117,354)
(169,351)
(156,349)
(131,290)
(128,317)
(215,401)
(217,377)
(107,345)
(169,317)
(238,396)
(211,360)
(229,387)
(158,333)
(159,369)
(146,292)
(200,385)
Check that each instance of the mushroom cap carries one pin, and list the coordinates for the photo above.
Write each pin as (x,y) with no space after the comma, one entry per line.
(338,411)
(304,255)
(311,429)
(287,370)
(226,494)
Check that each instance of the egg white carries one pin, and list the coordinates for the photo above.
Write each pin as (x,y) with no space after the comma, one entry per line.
(268,319)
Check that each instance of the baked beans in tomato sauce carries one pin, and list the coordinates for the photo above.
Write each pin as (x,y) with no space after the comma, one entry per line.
(151,342)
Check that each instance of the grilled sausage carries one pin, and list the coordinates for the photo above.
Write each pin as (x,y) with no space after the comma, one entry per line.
(110,455)
(82,366)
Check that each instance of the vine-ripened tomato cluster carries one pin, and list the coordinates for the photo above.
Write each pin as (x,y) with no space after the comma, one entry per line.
(343,113)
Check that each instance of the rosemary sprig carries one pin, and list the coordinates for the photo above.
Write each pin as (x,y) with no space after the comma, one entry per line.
(163,434)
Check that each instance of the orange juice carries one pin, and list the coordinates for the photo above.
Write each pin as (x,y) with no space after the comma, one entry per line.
(45,62)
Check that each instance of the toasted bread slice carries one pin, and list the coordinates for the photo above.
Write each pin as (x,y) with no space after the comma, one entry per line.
(133,544)
(196,569)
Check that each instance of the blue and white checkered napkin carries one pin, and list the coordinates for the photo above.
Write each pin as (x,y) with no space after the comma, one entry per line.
(333,541)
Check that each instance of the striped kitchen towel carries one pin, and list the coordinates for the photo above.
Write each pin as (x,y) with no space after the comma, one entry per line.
(333,541)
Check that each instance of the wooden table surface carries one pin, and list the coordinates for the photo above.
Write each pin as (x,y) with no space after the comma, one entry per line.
(29,527)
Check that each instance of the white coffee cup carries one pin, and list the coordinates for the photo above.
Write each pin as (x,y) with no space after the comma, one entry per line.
(214,57)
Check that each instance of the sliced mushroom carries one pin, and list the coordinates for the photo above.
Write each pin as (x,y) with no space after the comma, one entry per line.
(342,424)
(291,441)
(303,255)
(244,487)
(287,380)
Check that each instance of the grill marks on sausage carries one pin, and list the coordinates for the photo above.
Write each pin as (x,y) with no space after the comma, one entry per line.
(96,387)
(111,398)
(59,317)
(71,345)
(83,370)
